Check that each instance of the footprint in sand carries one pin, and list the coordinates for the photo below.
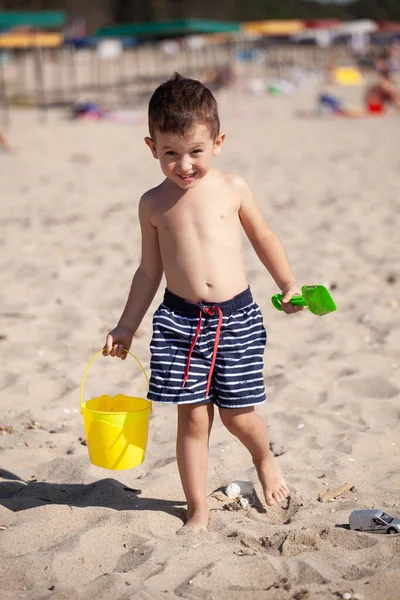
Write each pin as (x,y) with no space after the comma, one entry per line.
(278,514)
(298,541)
(369,387)
(283,543)
(139,552)
(356,572)
(99,558)
(342,538)
(250,574)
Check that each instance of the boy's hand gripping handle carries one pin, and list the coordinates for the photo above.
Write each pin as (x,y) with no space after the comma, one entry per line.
(90,363)
(295,300)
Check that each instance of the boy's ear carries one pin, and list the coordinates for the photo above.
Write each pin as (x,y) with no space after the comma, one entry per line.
(150,143)
(219,140)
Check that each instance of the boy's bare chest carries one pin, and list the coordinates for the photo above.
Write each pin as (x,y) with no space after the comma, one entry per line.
(199,214)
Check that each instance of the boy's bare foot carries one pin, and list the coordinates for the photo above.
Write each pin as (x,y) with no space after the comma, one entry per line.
(272,481)
(197,519)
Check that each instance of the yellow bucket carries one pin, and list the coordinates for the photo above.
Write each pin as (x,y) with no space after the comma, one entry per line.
(116,428)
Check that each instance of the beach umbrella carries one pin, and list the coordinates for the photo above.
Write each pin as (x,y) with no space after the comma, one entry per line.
(361,27)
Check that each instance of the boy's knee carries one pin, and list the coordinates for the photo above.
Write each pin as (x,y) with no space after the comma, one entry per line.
(232,425)
(193,420)
(236,420)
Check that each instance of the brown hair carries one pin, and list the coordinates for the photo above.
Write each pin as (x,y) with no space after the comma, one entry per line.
(179,104)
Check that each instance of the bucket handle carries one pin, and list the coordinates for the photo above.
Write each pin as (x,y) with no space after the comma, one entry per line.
(90,364)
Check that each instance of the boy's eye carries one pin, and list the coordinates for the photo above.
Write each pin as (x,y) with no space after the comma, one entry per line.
(197,151)
(170,153)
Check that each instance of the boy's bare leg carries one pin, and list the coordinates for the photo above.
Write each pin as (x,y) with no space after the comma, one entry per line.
(251,430)
(194,426)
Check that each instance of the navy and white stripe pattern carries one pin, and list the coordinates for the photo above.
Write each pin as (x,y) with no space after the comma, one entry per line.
(237,379)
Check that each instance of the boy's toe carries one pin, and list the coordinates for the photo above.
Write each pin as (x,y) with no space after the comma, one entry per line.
(269,497)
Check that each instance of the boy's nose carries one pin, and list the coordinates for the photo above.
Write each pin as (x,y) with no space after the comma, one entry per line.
(185,164)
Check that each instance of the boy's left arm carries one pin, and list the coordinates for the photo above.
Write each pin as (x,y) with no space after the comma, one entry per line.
(268,247)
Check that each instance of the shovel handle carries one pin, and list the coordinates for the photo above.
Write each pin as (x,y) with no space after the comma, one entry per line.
(295,300)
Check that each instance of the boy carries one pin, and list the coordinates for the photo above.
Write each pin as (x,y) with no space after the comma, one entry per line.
(208,334)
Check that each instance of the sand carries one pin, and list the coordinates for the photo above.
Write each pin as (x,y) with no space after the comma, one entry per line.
(69,246)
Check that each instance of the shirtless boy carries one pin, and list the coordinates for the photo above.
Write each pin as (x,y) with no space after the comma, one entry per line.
(208,334)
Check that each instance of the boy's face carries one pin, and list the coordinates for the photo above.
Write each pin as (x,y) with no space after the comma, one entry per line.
(186,160)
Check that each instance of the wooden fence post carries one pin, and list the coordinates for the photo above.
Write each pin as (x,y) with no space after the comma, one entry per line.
(39,83)
(3,94)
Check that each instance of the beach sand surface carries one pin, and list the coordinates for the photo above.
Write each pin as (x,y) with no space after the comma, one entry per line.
(70,243)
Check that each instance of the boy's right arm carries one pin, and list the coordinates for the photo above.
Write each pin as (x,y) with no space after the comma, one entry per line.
(144,286)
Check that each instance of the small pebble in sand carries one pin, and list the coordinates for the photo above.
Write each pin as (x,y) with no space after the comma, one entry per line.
(6,429)
(365,318)
(300,426)
(244,503)
(232,490)
(347,596)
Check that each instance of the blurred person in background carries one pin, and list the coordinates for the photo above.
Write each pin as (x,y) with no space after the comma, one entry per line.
(383,91)
(3,142)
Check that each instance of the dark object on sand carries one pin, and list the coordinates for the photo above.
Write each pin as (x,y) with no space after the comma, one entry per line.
(332,494)
(88,110)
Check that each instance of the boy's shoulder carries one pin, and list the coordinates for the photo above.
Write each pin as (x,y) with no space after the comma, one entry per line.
(148,203)
(150,198)
(236,183)
(234,179)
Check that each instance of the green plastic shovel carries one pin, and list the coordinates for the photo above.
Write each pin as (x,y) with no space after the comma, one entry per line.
(316,297)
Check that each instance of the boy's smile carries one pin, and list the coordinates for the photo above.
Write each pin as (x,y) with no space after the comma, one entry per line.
(186,160)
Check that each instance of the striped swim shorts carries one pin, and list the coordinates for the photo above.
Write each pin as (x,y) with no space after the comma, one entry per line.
(208,352)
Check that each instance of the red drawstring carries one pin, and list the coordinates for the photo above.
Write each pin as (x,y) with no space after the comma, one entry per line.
(210,312)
